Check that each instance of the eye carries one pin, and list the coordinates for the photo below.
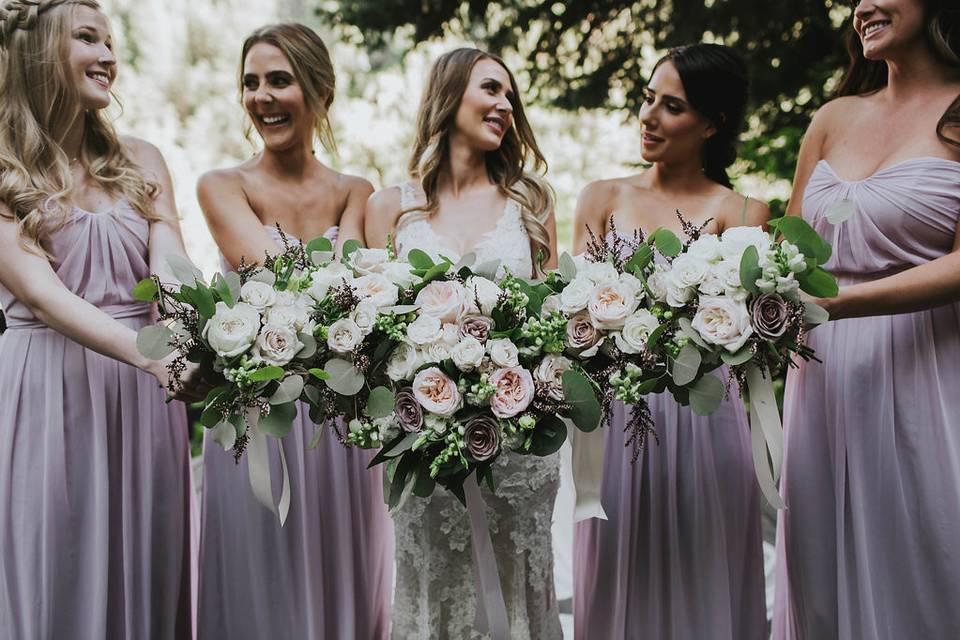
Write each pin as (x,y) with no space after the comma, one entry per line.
(250,83)
(648,97)
(674,107)
(86,37)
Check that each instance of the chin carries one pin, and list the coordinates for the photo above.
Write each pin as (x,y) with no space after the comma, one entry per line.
(94,102)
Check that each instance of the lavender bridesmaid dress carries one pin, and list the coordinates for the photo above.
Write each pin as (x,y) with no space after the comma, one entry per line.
(94,465)
(869,545)
(327,573)
(681,556)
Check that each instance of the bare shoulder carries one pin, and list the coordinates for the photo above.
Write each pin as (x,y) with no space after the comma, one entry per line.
(219,180)
(603,195)
(355,186)
(384,203)
(145,154)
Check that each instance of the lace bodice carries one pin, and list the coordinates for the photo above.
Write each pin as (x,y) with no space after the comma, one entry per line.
(507,242)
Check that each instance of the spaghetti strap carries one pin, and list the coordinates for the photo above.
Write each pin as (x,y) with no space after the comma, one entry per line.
(743,213)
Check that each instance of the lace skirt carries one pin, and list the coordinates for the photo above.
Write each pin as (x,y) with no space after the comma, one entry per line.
(435,596)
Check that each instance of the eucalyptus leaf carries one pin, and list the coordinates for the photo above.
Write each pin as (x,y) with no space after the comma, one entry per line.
(146,290)
(668,244)
(265,276)
(686,329)
(734,359)
(640,259)
(266,373)
(319,374)
(814,314)
(211,415)
(435,271)
(289,390)
(401,309)
(548,436)
(798,231)
(840,211)
(184,270)
(319,244)
(349,247)
(232,278)
(278,422)
(380,403)
(466,261)
(585,409)
(419,259)
(488,269)
(309,348)
(344,378)
(686,365)
(819,283)
(655,335)
(567,267)
(220,285)
(154,342)
(224,434)
(321,257)
(750,270)
(706,394)
(239,424)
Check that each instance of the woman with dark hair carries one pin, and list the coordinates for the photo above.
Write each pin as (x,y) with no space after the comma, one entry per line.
(681,554)
(475,188)
(327,572)
(868,544)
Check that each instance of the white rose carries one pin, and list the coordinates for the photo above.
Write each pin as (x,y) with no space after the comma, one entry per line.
(503,352)
(657,283)
(483,290)
(632,283)
(688,271)
(467,354)
(576,295)
(294,316)
(550,373)
(599,272)
(377,288)
(706,247)
(735,240)
(444,299)
(276,345)
(258,295)
(230,332)
(712,285)
(551,305)
(632,338)
(344,335)
(399,274)
(436,351)
(424,330)
(723,321)
(610,304)
(403,362)
(365,261)
(728,273)
(365,316)
(450,334)
(322,280)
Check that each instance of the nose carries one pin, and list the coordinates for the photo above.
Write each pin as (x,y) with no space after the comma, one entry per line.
(504,107)
(863,9)
(647,115)
(263,94)
(106,57)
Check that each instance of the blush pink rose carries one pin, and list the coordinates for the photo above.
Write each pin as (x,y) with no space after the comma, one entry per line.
(514,391)
(436,392)
(443,299)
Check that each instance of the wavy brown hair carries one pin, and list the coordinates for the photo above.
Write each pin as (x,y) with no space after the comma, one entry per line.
(942,34)
(507,167)
(312,67)
(38,106)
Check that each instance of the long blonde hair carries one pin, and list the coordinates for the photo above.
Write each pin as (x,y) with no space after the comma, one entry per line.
(38,104)
(312,67)
(506,167)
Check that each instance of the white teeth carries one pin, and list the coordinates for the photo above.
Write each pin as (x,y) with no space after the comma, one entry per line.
(100,77)
(874,27)
(273,119)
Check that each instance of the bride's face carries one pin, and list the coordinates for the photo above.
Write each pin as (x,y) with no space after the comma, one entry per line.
(888,26)
(485,113)
(274,99)
(673,131)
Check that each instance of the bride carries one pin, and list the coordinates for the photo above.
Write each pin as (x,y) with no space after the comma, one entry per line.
(471,193)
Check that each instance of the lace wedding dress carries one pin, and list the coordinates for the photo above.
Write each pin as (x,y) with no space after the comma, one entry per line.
(435,596)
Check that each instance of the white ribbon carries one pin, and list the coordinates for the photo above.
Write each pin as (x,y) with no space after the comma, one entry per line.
(587,462)
(258,468)
(766,433)
(491,610)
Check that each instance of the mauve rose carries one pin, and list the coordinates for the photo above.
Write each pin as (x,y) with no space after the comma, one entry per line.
(770,316)
(409,413)
(581,334)
(478,327)
(513,391)
(482,437)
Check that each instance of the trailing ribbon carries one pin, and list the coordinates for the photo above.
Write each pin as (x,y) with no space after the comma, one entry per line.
(587,461)
(258,468)
(491,610)
(766,433)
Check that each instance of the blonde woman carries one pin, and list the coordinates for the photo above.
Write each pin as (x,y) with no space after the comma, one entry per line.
(327,572)
(94,465)
(472,192)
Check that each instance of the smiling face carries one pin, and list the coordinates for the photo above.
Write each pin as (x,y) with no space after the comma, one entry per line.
(673,131)
(274,99)
(485,113)
(91,64)
(886,27)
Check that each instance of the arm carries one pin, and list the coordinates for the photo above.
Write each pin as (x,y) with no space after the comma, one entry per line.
(235,227)
(380,216)
(551,226)
(593,209)
(352,220)
(756,214)
(811,152)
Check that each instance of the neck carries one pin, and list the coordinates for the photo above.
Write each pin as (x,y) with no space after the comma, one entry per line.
(467,168)
(72,139)
(916,69)
(676,177)
(293,162)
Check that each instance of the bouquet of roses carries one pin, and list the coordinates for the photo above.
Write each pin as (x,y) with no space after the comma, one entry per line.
(465,368)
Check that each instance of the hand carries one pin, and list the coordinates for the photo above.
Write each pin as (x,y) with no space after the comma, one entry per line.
(192,386)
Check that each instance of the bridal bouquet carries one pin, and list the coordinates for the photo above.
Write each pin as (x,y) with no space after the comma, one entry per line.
(465,368)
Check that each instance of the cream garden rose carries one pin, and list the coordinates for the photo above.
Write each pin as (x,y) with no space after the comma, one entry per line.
(258,295)
(443,299)
(550,374)
(468,353)
(403,362)
(276,345)
(322,280)
(611,303)
(377,288)
(426,329)
(483,290)
(513,391)
(723,321)
(576,295)
(230,332)
(344,335)
(632,338)
(503,352)
(436,392)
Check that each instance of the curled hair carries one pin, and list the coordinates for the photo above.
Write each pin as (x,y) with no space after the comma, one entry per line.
(506,166)
(942,34)
(714,77)
(38,105)
(312,67)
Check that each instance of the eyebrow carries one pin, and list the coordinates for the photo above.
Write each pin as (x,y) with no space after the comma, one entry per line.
(509,91)
(667,96)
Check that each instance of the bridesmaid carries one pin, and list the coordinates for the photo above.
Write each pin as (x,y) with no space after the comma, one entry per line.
(94,465)
(476,189)
(868,544)
(681,554)
(327,572)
